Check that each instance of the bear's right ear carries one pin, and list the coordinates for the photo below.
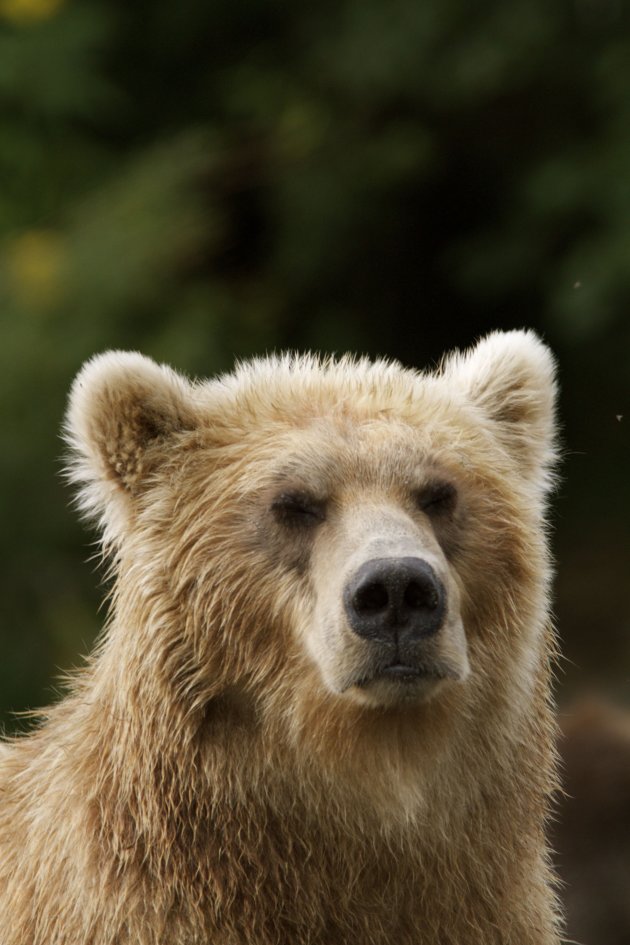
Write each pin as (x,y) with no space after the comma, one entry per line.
(123,410)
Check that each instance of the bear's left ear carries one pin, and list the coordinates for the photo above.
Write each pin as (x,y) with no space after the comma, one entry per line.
(124,411)
(510,376)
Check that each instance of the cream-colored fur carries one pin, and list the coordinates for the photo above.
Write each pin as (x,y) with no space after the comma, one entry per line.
(225,771)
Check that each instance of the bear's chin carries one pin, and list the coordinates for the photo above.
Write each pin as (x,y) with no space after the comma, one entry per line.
(399,687)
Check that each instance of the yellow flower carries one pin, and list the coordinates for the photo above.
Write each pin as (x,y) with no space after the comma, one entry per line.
(29,11)
(35,264)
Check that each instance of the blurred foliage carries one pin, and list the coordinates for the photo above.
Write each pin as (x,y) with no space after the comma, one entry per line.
(207,181)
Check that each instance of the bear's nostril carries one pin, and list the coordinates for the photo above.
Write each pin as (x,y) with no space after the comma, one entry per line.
(371,598)
(419,595)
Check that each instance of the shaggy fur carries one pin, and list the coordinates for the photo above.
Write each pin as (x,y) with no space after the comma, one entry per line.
(220,772)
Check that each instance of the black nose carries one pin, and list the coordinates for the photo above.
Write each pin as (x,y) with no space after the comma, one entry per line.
(389,595)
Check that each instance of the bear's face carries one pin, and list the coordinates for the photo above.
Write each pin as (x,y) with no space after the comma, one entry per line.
(363,514)
(361,531)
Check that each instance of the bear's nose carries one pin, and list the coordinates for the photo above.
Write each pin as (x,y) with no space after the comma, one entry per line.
(389,595)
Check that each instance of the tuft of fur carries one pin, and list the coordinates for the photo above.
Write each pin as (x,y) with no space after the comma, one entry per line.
(219,771)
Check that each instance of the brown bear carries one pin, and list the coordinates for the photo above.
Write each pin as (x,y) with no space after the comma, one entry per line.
(319,712)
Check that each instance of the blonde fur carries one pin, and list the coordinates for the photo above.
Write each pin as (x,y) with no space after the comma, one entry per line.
(215,776)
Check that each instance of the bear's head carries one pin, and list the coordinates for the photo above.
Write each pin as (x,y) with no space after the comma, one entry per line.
(326,539)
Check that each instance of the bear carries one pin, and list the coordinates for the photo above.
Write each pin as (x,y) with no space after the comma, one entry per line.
(320,710)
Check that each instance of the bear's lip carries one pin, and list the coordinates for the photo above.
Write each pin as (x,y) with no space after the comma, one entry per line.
(407,673)
(402,671)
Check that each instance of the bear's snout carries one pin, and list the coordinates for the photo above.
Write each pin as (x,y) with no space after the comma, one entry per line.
(394,600)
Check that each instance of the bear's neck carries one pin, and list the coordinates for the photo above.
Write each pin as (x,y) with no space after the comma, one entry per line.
(245,826)
(208,806)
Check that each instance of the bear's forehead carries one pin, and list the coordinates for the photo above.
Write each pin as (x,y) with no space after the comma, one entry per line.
(329,422)
(342,466)
(298,390)
(331,446)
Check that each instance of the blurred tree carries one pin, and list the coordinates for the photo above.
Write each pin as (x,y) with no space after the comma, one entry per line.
(214,180)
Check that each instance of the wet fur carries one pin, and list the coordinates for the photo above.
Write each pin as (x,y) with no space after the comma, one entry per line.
(200,785)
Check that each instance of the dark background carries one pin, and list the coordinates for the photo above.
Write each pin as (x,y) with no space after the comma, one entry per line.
(204,181)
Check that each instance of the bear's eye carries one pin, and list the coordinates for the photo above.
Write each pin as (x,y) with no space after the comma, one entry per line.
(437,498)
(297,510)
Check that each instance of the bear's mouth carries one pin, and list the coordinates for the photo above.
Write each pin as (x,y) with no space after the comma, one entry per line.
(402,672)
(406,673)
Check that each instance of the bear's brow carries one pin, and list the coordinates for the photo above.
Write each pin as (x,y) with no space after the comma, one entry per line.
(301,486)
(303,476)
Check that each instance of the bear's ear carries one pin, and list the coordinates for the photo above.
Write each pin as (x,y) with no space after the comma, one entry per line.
(123,410)
(510,377)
